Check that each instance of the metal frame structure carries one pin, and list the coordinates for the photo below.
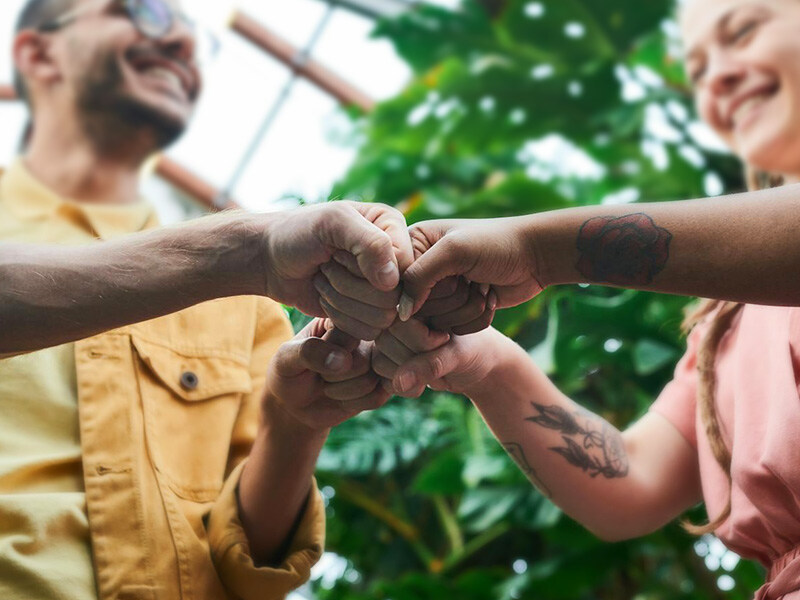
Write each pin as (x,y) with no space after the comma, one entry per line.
(297,60)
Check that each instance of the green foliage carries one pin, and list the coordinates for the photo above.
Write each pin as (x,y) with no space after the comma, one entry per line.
(424,502)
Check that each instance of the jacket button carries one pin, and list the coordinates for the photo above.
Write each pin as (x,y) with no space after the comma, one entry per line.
(189,381)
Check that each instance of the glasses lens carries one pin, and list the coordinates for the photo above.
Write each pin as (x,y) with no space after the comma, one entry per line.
(152,17)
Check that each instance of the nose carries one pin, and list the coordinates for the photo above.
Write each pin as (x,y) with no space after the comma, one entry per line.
(180,41)
(725,74)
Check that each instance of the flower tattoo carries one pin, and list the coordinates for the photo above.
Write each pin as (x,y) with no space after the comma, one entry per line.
(622,250)
(599,450)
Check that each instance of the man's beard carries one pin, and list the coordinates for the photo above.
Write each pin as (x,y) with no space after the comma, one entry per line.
(113,121)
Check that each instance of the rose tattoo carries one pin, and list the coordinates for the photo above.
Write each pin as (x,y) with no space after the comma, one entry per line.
(622,250)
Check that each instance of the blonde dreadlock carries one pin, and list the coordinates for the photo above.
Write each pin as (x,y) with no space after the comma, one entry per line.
(706,372)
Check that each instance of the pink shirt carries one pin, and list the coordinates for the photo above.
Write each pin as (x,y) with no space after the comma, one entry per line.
(759,411)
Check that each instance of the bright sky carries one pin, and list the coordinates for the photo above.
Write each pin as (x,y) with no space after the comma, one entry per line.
(297,156)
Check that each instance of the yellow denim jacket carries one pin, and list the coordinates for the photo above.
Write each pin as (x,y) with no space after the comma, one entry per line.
(168,411)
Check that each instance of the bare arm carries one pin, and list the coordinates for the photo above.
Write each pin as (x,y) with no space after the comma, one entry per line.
(618,485)
(314,382)
(54,294)
(742,247)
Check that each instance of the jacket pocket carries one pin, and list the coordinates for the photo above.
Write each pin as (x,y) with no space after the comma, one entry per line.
(190,402)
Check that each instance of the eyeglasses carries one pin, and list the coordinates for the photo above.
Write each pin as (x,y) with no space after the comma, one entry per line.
(152,18)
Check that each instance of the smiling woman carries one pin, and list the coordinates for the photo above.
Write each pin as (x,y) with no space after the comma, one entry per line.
(742,61)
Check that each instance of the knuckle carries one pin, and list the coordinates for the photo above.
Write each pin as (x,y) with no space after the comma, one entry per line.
(307,350)
(369,383)
(385,368)
(361,366)
(384,371)
(440,323)
(461,295)
(475,309)
(341,209)
(377,243)
(436,366)
(327,292)
(431,343)
(368,333)
(446,287)
(377,399)
(333,280)
(387,319)
(389,211)
(383,342)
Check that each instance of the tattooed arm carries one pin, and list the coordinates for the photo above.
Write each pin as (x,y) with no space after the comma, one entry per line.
(618,485)
(743,247)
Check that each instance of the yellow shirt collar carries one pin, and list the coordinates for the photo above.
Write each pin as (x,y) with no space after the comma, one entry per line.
(29,199)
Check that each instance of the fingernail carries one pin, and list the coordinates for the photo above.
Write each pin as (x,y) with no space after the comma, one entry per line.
(406,381)
(492,300)
(484,289)
(389,275)
(334,361)
(405,307)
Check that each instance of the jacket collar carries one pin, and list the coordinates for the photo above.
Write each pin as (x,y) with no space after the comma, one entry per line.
(29,199)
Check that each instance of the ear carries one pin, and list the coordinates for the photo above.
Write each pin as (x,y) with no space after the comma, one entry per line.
(33,58)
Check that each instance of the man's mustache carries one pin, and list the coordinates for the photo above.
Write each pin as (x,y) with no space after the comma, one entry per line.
(186,70)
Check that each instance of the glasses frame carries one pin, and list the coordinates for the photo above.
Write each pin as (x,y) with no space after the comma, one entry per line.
(71,16)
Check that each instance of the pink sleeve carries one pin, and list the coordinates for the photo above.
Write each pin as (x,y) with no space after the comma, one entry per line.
(678,400)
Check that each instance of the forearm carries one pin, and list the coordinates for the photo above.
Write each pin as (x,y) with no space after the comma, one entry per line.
(55,294)
(275,483)
(741,247)
(575,458)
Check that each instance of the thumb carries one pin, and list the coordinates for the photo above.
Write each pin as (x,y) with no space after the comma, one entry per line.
(340,338)
(369,244)
(412,377)
(438,263)
(311,354)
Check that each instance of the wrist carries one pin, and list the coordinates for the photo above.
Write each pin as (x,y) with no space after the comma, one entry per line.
(550,243)
(231,245)
(506,357)
(279,422)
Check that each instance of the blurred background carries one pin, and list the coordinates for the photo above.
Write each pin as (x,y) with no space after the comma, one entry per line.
(470,108)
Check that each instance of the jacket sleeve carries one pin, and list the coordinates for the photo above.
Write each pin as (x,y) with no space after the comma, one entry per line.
(229,547)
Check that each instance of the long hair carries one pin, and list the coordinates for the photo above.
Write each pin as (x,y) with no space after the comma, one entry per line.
(721,315)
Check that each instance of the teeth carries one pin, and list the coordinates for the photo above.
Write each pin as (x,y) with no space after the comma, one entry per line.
(165,75)
(747,105)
